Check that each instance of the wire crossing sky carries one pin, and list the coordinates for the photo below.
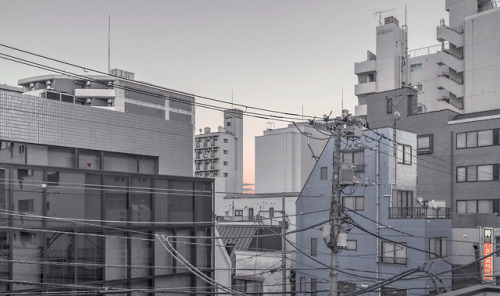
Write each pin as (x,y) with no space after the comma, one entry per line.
(287,55)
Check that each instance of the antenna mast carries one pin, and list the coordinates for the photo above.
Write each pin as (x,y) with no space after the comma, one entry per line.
(109,42)
(379,13)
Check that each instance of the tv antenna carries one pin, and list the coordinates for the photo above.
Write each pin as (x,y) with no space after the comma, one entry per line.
(379,13)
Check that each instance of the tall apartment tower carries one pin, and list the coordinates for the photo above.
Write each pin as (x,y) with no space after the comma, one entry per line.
(460,74)
(219,155)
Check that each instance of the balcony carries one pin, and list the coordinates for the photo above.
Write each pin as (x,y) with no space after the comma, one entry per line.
(444,33)
(365,88)
(419,213)
(450,85)
(365,67)
(237,218)
(445,58)
(94,93)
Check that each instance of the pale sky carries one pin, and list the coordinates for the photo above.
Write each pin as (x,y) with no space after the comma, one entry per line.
(285,55)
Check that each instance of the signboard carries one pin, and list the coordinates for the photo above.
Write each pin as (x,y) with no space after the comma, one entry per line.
(487,250)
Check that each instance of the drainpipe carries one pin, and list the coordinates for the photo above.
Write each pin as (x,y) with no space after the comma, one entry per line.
(377,218)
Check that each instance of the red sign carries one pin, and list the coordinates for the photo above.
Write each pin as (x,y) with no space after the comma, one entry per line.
(487,262)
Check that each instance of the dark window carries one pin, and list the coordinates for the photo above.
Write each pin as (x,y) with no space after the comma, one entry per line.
(228,123)
(25,205)
(324,173)
(424,144)
(226,163)
(314,247)
(238,212)
(53,178)
(412,105)
(271,212)
(314,287)
(388,103)
(226,152)
(226,175)
(226,140)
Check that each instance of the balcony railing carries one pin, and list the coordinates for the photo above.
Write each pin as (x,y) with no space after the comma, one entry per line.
(419,213)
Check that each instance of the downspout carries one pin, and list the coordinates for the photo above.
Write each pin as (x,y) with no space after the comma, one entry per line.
(377,212)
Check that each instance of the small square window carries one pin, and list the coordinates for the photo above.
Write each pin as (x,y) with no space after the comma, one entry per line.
(238,212)
(226,175)
(25,205)
(226,163)
(352,245)
(226,140)
(424,144)
(226,152)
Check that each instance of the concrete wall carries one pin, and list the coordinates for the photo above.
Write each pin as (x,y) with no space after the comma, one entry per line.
(482,61)
(284,160)
(40,121)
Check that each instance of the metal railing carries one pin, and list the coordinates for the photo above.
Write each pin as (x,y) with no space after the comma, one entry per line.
(419,213)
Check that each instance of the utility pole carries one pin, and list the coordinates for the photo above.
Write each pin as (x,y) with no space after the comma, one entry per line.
(335,211)
(343,175)
(283,244)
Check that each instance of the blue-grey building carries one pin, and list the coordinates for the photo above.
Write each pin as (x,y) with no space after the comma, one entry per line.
(395,229)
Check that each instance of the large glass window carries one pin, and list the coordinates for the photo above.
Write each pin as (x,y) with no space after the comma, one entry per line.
(140,199)
(485,172)
(60,248)
(485,138)
(163,260)
(141,257)
(90,250)
(120,162)
(115,254)
(66,201)
(357,158)
(115,201)
(180,201)
(477,139)
(475,206)
(90,160)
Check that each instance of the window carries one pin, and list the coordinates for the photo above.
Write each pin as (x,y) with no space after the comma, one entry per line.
(477,139)
(303,287)
(271,212)
(437,246)
(21,149)
(314,247)
(228,123)
(387,291)
(473,173)
(226,163)
(388,104)
(226,140)
(355,157)
(415,67)
(402,199)
(324,173)
(424,144)
(477,206)
(314,287)
(393,253)
(226,175)
(226,152)
(238,212)
(25,205)
(404,154)
(53,178)
(352,245)
(354,203)
(497,245)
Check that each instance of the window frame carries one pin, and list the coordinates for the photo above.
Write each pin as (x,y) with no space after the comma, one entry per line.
(495,134)
(406,158)
(388,105)
(443,245)
(314,247)
(428,150)
(355,202)
(393,259)
(358,167)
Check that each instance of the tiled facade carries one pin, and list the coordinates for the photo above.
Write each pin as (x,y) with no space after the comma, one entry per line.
(36,120)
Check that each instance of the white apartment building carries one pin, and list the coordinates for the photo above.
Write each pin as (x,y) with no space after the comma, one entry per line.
(284,157)
(458,75)
(219,155)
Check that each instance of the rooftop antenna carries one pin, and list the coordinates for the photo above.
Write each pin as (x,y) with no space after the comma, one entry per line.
(379,13)
(109,42)
(342,100)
